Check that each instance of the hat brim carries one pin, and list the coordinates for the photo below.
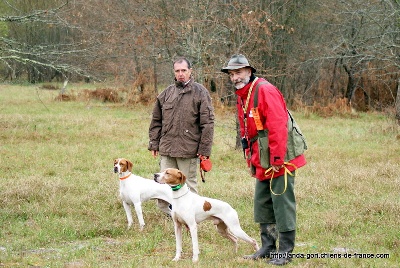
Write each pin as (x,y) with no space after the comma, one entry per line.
(228,68)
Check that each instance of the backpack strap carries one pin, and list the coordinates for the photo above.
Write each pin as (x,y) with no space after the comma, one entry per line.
(256,92)
(256,115)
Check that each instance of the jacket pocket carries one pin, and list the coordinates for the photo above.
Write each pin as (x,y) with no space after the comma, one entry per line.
(167,116)
(167,111)
(263,149)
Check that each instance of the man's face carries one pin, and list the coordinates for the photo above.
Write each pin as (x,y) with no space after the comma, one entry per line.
(240,77)
(182,71)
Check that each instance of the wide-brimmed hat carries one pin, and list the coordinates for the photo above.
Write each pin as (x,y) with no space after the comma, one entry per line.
(236,62)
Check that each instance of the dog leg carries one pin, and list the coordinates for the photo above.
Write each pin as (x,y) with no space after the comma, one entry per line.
(224,231)
(128,213)
(178,239)
(232,221)
(195,242)
(237,231)
(139,213)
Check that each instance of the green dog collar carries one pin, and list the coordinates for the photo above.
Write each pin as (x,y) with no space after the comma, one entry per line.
(176,187)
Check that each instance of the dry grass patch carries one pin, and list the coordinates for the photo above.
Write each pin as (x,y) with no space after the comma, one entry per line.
(60,205)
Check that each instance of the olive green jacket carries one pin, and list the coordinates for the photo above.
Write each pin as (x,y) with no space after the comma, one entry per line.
(182,123)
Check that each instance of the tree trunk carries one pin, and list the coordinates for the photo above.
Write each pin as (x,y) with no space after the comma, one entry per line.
(351,84)
(398,102)
(238,137)
(334,78)
(155,76)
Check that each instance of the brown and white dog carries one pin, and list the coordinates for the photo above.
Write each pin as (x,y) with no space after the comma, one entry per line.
(134,190)
(190,209)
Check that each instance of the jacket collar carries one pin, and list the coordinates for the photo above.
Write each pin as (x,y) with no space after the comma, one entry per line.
(186,87)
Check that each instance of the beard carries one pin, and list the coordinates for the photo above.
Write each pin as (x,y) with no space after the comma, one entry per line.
(242,82)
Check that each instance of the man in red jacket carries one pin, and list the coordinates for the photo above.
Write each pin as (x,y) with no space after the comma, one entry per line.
(274,199)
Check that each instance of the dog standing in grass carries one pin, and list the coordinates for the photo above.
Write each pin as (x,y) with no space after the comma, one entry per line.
(134,190)
(189,209)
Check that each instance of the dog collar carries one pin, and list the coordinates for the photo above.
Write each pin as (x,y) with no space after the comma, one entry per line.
(123,178)
(176,187)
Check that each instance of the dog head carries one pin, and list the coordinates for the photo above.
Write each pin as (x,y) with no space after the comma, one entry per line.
(122,165)
(170,176)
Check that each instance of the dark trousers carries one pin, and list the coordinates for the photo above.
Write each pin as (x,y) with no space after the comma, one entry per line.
(279,209)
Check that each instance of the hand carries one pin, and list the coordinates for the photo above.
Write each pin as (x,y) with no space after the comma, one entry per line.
(202,157)
(154,153)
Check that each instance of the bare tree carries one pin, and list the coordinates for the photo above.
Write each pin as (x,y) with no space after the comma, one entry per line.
(360,44)
(314,51)
(36,41)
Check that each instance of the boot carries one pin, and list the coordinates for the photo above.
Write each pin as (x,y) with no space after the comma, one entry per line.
(268,242)
(286,246)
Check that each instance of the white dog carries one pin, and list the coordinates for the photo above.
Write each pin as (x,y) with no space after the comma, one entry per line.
(134,190)
(190,209)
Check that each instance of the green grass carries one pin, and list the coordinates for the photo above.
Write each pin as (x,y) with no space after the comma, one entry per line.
(59,203)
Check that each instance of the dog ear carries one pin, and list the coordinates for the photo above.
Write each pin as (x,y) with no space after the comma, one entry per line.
(130,165)
(183,177)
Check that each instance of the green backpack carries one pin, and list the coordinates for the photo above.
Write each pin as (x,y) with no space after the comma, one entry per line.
(296,143)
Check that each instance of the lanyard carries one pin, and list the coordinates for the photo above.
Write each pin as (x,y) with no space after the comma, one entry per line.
(247,105)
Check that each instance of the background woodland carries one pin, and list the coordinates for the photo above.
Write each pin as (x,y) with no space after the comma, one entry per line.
(319,53)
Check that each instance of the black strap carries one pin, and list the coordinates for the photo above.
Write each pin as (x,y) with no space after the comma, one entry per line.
(203,175)
(256,93)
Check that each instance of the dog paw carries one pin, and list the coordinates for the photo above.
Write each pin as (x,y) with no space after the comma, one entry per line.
(176,259)
(256,247)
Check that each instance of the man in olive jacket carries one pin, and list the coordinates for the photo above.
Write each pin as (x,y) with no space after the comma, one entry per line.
(182,125)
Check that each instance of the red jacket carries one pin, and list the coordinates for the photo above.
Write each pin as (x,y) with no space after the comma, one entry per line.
(274,116)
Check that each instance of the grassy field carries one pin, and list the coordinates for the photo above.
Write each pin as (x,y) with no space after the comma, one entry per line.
(59,203)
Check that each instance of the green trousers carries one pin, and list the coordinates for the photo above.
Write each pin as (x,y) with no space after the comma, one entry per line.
(278,208)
